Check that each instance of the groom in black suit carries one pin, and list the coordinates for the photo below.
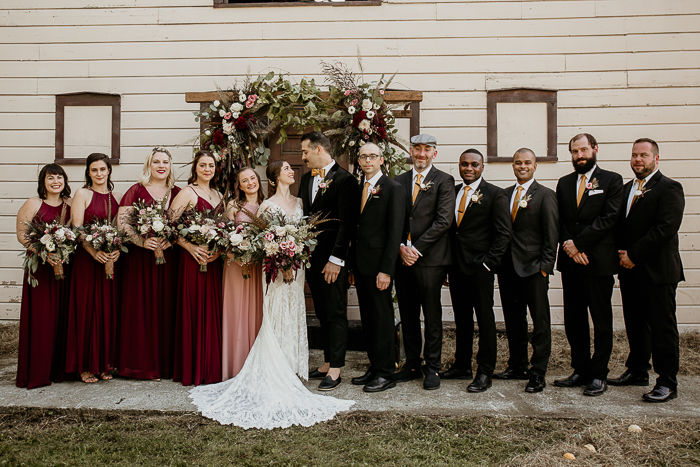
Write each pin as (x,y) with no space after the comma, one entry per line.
(480,235)
(425,256)
(651,268)
(332,191)
(374,254)
(589,199)
(523,278)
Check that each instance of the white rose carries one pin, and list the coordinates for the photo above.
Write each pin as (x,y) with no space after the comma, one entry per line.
(280,231)
(291,229)
(50,246)
(522,204)
(222,112)
(194,228)
(207,132)
(638,193)
(351,109)
(370,114)
(88,238)
(351,143)
(376,106)
(245,245)
(217,103)
(366,104)
(364,125)
(60,234)
(70,235)
(236,107)
(362,143)
(475,198)
(235,239)
(143,228)
(158,225)
(228,128)
(110,236)
(242,97)
(45,239)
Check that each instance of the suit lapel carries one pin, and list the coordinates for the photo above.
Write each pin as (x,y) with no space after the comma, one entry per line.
(584,198)
(379,184)
(329,176)
(431,175)
(531,192)
(646,187)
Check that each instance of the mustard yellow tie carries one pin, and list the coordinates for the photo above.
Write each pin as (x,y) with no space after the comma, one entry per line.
(321,172)
(581,189)
(463,205)
(416,187)
(516,202)
(364,197)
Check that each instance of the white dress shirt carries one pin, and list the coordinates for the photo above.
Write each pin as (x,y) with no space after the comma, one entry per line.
(526,186)
(588,175)
(318,179)
(474,186)
(635,186)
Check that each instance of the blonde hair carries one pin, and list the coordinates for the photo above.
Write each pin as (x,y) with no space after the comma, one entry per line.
(145,178)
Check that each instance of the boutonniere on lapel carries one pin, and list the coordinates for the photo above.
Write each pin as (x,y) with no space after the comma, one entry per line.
(592,185)
(323,186)
(425,186)
(523,203)
(640,193)
(376,191)
(476,197)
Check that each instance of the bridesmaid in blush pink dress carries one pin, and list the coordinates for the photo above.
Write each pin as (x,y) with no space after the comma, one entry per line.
(94,299)
(198,311)
(147,317)
(242,298)
(42,315)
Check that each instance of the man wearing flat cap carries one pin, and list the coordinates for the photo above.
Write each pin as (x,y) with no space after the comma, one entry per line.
(424,258)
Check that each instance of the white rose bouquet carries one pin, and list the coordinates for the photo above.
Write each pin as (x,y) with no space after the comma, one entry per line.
(238,242)
(152,221)
(203,228)
(47,239)
(106,237)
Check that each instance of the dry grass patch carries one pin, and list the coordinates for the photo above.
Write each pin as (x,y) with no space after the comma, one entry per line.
(9,339)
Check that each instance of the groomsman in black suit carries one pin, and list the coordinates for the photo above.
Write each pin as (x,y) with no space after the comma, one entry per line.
(480,235)
(589,199)
(332,191)
(523,278)
(425,256)
(375,251)
(651,268)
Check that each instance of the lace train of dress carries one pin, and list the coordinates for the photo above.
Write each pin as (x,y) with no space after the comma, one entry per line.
(267,393)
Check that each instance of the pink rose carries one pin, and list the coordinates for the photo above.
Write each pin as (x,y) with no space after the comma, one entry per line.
(283,245)
(239,228)
(322,186)
(589,186)
(253,97)
(221,225)
(354,102)
(347,92)
(249,104)
(269,236)
(290,253)
(142,211)
(374,191)
(227,116)
(381,91)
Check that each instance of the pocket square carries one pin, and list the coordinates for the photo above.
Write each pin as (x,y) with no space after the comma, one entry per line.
(595,192)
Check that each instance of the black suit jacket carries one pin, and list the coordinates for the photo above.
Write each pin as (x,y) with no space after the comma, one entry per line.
(533,244)
(649,233)
(339,202)
(484,233)
(591,225)
(430,218)
(379,228)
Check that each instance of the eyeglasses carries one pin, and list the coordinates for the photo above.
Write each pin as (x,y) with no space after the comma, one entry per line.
(372,157)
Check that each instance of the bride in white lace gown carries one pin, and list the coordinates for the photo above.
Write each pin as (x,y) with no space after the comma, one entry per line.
(268,392)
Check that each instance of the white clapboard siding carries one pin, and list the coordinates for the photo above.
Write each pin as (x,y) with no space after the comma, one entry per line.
(622,69)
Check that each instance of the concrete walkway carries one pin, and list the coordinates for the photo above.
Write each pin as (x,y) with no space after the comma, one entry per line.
(506,398)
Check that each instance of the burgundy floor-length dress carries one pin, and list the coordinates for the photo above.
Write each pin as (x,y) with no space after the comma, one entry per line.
(42,318)
(242,315)
(94,302)
(147,316)
(198,319)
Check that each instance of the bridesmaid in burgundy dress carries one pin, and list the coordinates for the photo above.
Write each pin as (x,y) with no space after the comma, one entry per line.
(94,299)
(242,298)
(147,318)
(43,311)
(198,319)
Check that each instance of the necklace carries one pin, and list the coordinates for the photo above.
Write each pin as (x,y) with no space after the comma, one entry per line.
(208,194)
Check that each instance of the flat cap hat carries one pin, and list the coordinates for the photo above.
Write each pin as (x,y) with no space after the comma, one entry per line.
(424,139)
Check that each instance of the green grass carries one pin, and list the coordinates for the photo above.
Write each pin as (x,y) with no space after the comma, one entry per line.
(91,437)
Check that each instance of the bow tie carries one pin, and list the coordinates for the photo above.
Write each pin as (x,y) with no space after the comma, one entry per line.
(321,172)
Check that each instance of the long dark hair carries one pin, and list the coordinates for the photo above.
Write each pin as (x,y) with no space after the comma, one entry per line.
(239,195)
(96,157)
(272,172)
(193,175)
(52,169)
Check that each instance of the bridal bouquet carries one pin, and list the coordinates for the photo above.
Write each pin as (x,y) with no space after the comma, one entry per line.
(238,242)
(104,236)
(203,228)
(44,239)
(152,221)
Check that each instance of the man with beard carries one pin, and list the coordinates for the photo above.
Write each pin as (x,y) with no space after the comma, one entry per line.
(647,238)
(424,257)
(590,200)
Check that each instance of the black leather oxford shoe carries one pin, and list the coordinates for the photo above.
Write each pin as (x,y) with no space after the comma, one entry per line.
(431,381)
(629,379)
(407,374)
(480,384)
(379,384)
(511,373)
(328,383)
(364,379)
(596,387)
(456,373)
(660,394)
(535,384)
(571,382)
(315,374)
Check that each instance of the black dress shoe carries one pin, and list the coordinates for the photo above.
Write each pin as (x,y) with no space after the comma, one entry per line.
(629,379)
(596,387)
(571,382)
(364,379)
(456,373)
(315,374)
(328,383)
(432,380)
(511,373)
(480,384)
(660,394)
(535,384)
(407,374)
(379,384)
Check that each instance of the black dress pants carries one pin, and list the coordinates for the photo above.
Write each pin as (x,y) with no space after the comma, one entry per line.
(377,315)
(582,293)
(420,287)
(473,294)
(517,295)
